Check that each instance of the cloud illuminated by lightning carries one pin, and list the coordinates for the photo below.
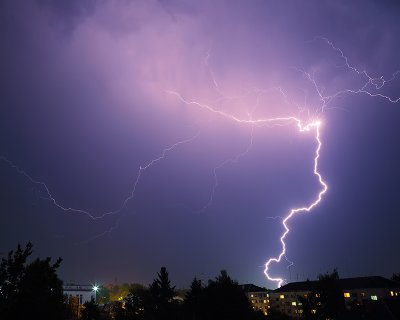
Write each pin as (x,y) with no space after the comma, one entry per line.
(376,82)
(302,127)
(371,86)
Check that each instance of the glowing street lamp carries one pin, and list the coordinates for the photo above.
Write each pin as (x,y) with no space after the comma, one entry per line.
(95,289)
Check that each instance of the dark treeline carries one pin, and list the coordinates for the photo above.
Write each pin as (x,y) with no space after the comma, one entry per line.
(222,298)
(32,290)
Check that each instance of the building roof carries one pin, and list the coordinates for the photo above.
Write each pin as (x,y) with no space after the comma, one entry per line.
(253,288)
(347,283)
(78,287)
(367,282)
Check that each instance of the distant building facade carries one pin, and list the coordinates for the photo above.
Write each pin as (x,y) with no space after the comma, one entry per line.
(358,291)
(84,293)
(258,297)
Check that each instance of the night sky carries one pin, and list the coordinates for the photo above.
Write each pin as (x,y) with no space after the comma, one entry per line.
(85,103)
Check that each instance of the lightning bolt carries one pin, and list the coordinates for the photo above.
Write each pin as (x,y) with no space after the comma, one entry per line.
(370,86)
(316,126)
(44,189)
(308,127)
(234,159)
(376,82)
(48,195)
(153,162)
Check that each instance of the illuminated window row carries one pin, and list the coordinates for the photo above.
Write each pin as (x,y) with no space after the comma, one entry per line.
(260,295)
(373,297)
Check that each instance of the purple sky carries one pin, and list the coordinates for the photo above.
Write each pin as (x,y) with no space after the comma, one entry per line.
(84,103)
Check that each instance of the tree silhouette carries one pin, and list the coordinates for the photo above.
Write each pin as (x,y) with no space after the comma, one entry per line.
(396,277)
(12,271)
(162,294)
(30,290)
(90,311)
(194,301)
(137,303)
(224,299)
(325,298)
(117,310)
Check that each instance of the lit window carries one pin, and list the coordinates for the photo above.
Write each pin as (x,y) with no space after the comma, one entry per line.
(374,297)
(265,301)
(391,293)
(306,296)
(346,294)
(294,303)
(252,296)
(313,311)
(282,296)
(317,295)
(267,295)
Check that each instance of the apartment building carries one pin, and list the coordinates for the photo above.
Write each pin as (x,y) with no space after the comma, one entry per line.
(356,291)
(258,297)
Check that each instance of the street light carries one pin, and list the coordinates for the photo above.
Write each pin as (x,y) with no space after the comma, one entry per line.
(95,289)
